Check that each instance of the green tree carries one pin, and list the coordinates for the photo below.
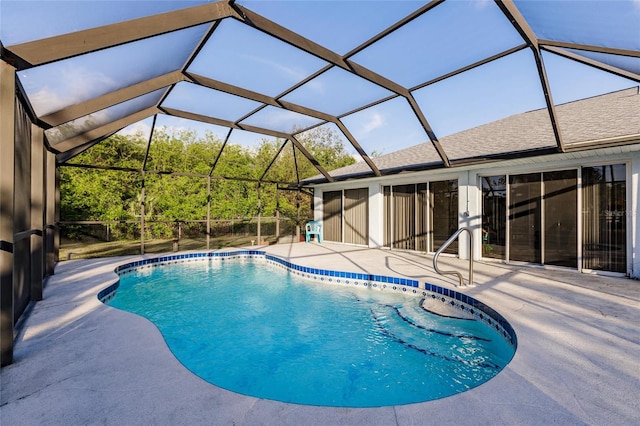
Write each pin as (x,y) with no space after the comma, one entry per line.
(92,194)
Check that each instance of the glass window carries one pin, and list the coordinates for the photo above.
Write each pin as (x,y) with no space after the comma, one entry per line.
(494,216)
(444,214)
(604,217)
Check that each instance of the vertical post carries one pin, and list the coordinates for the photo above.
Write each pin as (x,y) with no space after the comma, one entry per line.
(259,215)
(142,194)
(7,189)
(208,211)
(142,213)
(277,213)
(298,216)
(56,216)
(50,212)
(37,211)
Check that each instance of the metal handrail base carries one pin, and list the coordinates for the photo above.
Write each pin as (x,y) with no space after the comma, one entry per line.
(444,246)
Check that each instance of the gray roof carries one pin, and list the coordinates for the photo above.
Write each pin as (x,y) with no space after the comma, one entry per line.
(609,116)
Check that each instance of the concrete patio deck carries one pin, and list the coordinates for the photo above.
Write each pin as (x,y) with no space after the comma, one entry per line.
(78,361)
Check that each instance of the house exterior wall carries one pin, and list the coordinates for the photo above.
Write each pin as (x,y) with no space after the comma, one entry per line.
(633,228)
(470,193)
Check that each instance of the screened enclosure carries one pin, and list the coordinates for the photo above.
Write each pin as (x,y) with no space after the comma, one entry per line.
(380,78)
(383,75)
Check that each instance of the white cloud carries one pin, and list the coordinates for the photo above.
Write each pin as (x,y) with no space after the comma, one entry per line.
(318,86)
(481,4)
(45,101)
(61,86)
(296,74)
(133,129)
(376,120)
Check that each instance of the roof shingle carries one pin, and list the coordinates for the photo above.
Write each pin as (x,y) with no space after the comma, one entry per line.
(610,115)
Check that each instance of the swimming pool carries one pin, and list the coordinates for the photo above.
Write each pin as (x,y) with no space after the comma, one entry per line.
(253,324)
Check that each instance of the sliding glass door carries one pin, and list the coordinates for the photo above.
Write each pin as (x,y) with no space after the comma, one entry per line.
(444,214)
(543,218)
(356,216)
(404,217)
(494,216)
(561,218)
(525,217)
(420,216)
(346,211)
(604,218)
(332,216)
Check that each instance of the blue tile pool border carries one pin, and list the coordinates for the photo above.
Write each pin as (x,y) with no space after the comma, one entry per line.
(453,301)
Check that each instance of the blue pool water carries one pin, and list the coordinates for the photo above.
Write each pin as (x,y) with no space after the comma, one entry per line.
(263,332)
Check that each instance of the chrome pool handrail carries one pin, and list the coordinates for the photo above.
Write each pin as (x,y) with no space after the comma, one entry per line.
(444,247)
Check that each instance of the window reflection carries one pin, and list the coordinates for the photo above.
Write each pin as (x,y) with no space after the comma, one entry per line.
(561,218)
(525,216)
(494,214)
(604,218)
(444,213)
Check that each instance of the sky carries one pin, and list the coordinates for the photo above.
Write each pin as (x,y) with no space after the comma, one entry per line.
(453,35)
